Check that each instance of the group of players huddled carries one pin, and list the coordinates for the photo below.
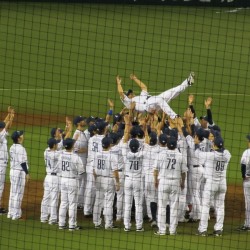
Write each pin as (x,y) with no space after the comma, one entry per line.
(145,159)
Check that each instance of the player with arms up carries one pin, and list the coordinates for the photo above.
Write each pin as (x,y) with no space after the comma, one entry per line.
(145,102)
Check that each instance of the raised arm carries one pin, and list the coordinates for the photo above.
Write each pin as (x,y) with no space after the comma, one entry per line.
(68,128)
(110,112)
(208,103)
(139,82)
(119,86)
(9,118)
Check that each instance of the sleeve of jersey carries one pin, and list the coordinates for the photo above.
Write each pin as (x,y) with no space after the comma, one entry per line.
(80,166)
(126,101)
(114,160)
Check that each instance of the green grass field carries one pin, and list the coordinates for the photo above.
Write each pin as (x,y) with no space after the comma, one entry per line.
(62,59)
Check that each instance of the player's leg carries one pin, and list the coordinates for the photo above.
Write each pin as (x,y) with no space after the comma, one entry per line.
(182,203)
(109,195)
(138,196)
(120,198)
(128,198)
(45,204)
(98,201)
(72,198)
(147,194)
(12,193)
(54,197)
(81,189)
(2,181)
(89,194)
(18,197)
(219,199)
(162,204)
(246,187)
(172,93)
(64,202)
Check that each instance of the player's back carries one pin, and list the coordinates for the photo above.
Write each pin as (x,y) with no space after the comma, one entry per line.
(18,155)
(51,158)
(133,164)
(150,155)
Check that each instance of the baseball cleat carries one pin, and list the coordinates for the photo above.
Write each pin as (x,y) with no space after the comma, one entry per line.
(153,224)
(217,233)
(111,228)
(159,233)
(203,234)
(172,234)
(75,228)
(191,78)
(243,229)
(99,226)
(53,223)
(18,218)
(62,227)
(140,229)
(126,229)
(44,221)
(3,211)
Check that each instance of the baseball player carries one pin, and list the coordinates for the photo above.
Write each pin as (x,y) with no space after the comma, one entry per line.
(215,166)
(133,186)
(145,102)
(245,171)
(71,168)
(81,148)
(4,127)
(105,170)
(169,176)
(19,174)
(51,183)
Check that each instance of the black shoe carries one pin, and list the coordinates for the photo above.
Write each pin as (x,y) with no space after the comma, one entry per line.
(3,211)
(243,229)
(217,233)
(75,228)
(203,234)
(88,216)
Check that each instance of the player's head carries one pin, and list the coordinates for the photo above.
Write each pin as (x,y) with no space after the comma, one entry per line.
(52,143)
(17,136)
(68,143)
(163,140)
(200,134)
(117,118)
(90,120)
(172,143)
(204,121)
(115,138)
(79,121)
(56,132)
(2,125)
(134,132)
(100,127)
(130,93)
(248,139)
(92,129)
(218,142)
(173,133)
(106,143)
(140,133)
(134,145)
(152,138)
(213,133)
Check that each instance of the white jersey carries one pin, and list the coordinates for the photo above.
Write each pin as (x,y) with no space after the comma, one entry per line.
(182,146)
(215,164)
(150,155)
(192,159)
(170,164)
(81,142)
(105,163)
(51,158)
(70,165)
(3,147)
(133,164)
(245,159)
(118,151)
(140,101)
(18,155)
(205,145)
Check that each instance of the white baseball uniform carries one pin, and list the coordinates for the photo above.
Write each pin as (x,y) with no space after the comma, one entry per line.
(145,102)
(18,156)
(105,163)
(81,142)
(51,185)
(71,167)
(94,146)
(215,166)
(133,187)
(170,165)
(245,159)
(3,160)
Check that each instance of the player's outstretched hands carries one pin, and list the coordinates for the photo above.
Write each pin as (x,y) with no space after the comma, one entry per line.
(118,79)
(111,103)
(190,99)
(133,77)
(208,102)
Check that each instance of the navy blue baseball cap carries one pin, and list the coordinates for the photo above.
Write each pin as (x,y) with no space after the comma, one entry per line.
(163,139)
(2,124)
(130,91)
(134,145)
(117,118)
(152,138)
(90,119)
(106,142)
(173,132)
(16,134)
(52,141)
(204,118)
(134,131)
(68,143)
(114,137)
(100,126)
(172,142)
(78,119)
(218,141)
(248,137)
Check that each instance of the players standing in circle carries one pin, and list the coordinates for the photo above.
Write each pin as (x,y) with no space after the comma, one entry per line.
(4,127)
(169,175)
(19,174)
(51,185)
(215,169)
(71,168)
(105,170)
(245,171)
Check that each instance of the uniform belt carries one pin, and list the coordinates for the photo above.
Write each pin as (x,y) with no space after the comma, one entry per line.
(148,97)
(119,170)
(196,166)
(69,177)
(52,173)
(104,176)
